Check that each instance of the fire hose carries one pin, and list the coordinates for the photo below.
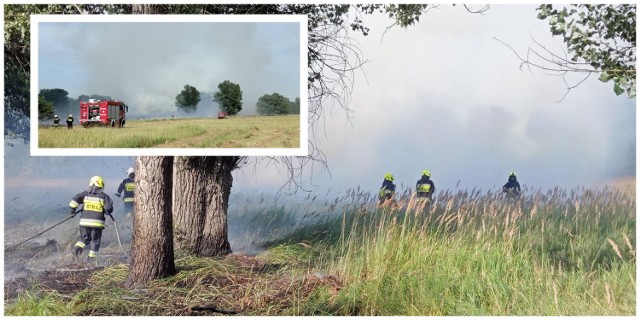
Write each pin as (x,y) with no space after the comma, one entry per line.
(61,222)
(115,224)
(37,235)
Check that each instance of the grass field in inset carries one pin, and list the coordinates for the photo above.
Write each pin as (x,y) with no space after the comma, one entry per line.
(235,132)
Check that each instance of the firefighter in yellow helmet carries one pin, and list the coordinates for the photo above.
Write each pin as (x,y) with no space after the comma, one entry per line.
(425,187)
(388,189)
(96,205)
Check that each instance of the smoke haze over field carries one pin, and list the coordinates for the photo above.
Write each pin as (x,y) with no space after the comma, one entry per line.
(442,95)
(147,64)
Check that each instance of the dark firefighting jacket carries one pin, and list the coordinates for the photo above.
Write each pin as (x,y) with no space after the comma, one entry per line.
(425,187)
(95,203)
(127,185)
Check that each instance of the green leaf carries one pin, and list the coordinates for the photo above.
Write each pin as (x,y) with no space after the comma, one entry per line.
(604,77)
(617,89)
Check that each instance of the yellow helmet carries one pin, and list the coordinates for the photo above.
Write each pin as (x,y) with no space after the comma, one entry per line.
(388,176)
(96,181)
(512,174)
(426,173)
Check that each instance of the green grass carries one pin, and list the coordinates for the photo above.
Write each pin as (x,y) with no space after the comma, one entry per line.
(235,132)
(28,304)
(547,255)
(558,252)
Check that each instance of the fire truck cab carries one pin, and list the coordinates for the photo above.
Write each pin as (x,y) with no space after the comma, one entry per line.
(108,113)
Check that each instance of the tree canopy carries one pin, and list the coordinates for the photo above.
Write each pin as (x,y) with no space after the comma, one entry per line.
(45,108)
(274,103)
(600,39)
(188,99)
(229,96)
(295,106)
(85,97)
(58,97)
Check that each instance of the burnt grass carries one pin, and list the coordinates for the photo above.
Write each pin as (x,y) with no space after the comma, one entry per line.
(236,284)
(63,281)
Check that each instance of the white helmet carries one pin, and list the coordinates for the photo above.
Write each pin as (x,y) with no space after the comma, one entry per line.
(130,171)
(55,115)
(70,116)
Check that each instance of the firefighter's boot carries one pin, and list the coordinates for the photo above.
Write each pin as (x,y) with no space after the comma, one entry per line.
(76,253)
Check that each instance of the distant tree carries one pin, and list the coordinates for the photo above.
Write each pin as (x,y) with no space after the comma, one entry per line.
(294,108)
(58,97)
(45,108)
(188,99)
(85,98)
(229,96)
(274,103)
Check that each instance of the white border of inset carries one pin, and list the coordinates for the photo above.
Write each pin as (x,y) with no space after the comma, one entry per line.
(303,150)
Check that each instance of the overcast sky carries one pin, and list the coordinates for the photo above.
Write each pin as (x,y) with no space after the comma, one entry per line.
(147,64)
(442,95)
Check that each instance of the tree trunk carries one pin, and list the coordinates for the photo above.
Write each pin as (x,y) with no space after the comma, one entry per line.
(148,9)
(201,197)
(152,244)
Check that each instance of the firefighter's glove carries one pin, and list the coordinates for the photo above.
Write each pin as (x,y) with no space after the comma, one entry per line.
(72,212)
(118,195)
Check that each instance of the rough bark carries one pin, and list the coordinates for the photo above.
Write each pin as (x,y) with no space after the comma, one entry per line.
(147,9)
(152,244)
(201,198)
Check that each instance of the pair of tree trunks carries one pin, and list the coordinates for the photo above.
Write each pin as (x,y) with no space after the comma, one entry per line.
(181,203)
(191,193)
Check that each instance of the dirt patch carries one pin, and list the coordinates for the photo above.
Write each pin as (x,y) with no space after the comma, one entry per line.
(66,280)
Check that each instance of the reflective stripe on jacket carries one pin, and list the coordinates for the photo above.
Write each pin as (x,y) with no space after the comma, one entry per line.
(425,187)
(128,186)
(96,204)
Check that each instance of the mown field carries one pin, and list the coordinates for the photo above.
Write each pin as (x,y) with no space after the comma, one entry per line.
(235,132)
(554,252)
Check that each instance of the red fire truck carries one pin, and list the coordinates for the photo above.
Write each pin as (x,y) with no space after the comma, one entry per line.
(108,113)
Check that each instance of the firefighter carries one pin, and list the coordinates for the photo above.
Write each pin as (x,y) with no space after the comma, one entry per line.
(56,121)
(127,185)
(388,189)
(96,204)
(512,187)
(425,187)
(70,122)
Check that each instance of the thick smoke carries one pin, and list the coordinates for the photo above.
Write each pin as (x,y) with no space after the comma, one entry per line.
(148,64)
(443,95)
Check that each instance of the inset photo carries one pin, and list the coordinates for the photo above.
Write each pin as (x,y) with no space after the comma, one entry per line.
(169,85)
